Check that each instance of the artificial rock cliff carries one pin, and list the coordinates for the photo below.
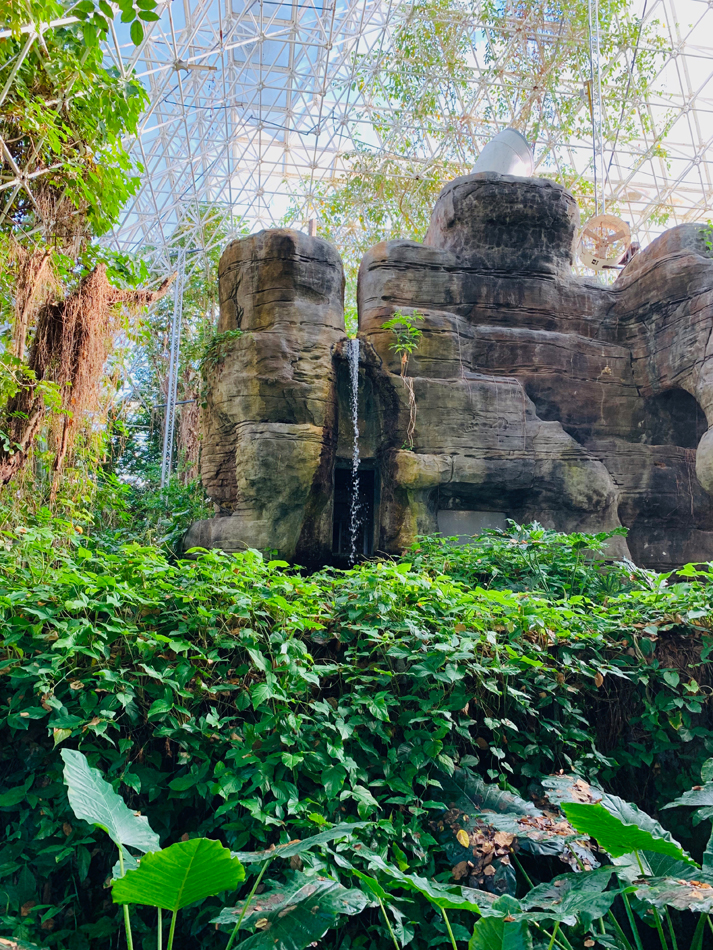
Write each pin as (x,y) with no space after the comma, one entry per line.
(539,395)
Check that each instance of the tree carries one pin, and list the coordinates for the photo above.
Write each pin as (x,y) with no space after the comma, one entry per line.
(63,117)
(201,236)
(456,71)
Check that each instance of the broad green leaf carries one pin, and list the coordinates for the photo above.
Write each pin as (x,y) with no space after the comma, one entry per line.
(545,835)
(494,933)
(186,872)
(570,896)
(707,771)
(570,788)
(632,815)
(635,865)
(298,847)
(94,800)
(443,896)
(137,32)
(15,795)
(448,896)
(371,884)
(618,837)
(468,792)
(295,916)
(696,797)
(696,896)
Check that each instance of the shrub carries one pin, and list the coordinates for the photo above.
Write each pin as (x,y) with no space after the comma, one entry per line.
(233,697)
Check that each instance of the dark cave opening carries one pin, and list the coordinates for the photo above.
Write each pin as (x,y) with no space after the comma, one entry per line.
(343,494)
(673,417)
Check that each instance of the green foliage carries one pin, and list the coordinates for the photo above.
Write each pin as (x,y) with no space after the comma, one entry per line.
(570,897)
(94,15)
(65,116)
(142,513)
(700,797)
(215,349)
(617,837)
(294,848)
(431,114)
(94,800)
(707,235)
(471,801)
(295,916)
(407,335)
(499,934)
(531,558)
(187,872)
(235,698)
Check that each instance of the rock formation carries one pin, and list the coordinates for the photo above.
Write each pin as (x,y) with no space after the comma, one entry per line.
(269,419)
(539,395)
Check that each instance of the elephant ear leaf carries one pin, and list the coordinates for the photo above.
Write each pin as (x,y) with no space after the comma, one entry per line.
(619,837)
(443,896)
(467,792)
(94,800)
(186,872)
(289,850)
(481,821)
(495,933)
(570,788)
(293,917)
(636,865)
(695,896)
(571,896)
(700,798)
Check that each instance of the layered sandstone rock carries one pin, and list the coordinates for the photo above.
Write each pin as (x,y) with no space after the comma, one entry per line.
(269,417)
(538,395)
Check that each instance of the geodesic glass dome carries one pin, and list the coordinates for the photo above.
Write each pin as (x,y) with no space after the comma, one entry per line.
(256,106)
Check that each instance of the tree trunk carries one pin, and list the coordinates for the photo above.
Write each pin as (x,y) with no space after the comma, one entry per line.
(72,340)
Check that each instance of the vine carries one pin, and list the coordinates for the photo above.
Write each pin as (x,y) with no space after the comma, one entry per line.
(215,350)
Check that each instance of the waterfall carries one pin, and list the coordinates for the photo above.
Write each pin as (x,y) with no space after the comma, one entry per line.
(353,360)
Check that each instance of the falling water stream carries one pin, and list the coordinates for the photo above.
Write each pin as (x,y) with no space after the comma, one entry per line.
(353,360)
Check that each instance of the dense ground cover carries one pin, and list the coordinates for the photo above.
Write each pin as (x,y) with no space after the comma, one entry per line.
(236,698)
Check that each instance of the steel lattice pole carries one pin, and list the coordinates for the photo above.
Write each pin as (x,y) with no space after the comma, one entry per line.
(172,388)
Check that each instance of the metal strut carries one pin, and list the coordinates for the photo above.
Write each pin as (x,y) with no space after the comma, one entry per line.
(172,388)
(595,105)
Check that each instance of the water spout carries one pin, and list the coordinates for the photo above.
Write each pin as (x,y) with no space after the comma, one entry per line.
(354,520)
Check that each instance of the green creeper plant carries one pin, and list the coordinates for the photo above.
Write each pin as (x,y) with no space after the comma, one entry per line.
(257,704)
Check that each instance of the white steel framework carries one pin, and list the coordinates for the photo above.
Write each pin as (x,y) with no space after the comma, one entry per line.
(254,103)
